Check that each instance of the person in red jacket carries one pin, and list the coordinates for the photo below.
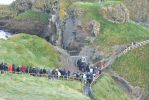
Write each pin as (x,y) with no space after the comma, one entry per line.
(10,68)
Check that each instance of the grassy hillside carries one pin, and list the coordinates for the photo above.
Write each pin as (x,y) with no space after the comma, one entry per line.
(26,87)
(107,89)
(111,33)
(28,49)
(134,67)
(33,16)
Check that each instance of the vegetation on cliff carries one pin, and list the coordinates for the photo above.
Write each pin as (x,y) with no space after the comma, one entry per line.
(31,15)
(29,50)
(111,33)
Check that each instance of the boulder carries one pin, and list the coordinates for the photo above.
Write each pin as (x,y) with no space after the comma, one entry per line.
(115,13)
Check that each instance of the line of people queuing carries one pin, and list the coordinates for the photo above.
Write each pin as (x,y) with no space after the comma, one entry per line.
(89,71)
(87,74)
(35,71)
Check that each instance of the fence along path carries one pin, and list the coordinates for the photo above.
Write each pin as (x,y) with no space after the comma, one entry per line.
(113,58)
(88,87)
(131,47)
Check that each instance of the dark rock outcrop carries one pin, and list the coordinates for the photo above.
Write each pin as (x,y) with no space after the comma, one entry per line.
(76,34)
(31,27)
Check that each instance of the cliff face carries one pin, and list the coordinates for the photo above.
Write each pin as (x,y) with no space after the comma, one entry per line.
(139,10)
(115,13)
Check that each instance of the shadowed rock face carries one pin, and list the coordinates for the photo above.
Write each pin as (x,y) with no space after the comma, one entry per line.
(76,34)
(115,13)
(139,10)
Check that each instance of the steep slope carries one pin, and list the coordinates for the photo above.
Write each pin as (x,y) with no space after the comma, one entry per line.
(106,89)
(29,50)
(110,33)
(134,67)
(16,87)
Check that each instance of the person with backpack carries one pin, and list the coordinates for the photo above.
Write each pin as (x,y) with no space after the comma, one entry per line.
(2,68)
(14,68)
(5,67)
(18,69)
(49,73)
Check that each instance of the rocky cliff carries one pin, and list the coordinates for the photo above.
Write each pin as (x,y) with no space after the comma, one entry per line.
(139,10)
(66,28)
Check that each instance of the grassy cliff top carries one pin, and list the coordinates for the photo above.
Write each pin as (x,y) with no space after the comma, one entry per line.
(31,15)
(29,50)
(111,33)
(26,87)
(133,66)
(106,89)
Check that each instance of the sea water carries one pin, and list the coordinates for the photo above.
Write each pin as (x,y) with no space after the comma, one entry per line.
(4,35)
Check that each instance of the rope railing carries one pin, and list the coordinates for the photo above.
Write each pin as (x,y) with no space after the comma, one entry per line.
(54,77)
(80,78)
(112,59)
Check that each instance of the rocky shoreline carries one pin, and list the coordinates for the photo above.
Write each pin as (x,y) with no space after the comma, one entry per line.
(30,27)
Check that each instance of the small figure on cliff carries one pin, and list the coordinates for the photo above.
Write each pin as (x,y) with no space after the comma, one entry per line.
(100,1)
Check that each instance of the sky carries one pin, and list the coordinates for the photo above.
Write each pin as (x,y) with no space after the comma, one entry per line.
(6,2)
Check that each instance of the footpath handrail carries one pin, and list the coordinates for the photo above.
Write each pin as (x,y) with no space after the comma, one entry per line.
(113,58)
(110,62)
(131,47)
(54,77)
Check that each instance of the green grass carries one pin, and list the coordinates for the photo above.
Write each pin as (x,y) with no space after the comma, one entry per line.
(29,50)
(134,67)
(26,87)
(111,33)
(107,89)
(33,16)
